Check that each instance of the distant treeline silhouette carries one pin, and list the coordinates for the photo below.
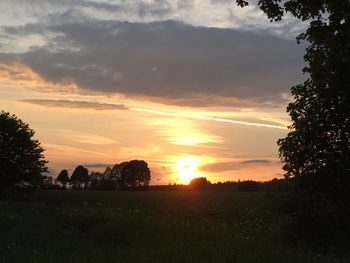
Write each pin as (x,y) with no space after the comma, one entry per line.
(202,184)
(121,177)
(134,174)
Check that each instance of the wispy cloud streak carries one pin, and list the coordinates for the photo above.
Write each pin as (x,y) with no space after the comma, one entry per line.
(76,104)
(209,118)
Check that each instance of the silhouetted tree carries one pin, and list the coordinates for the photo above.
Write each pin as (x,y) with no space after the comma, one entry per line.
(79,175)
(116,173)
(135,174)
(96,176)
(63,177)
(21,156)
(200,182)
(317,149)
(107,173)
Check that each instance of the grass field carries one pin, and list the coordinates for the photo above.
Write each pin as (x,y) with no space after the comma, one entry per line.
(183,226)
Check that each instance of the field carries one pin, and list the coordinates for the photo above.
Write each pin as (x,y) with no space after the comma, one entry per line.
(153,226)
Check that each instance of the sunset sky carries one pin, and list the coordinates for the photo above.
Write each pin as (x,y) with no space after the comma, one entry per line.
(193,87)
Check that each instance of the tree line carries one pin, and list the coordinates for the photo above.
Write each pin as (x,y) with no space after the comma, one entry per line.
(134,174)
(202,183)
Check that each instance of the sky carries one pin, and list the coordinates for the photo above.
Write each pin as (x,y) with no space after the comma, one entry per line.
(196,88)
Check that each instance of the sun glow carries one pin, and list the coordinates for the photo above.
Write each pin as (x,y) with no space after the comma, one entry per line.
(186,169)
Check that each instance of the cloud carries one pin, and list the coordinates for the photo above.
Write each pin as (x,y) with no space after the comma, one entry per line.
(92,139)
(192,63)
(16,75)
(76,104)
(272,125)
(208,13)
(98,165)
(58,150)
(262,161)
(234,165)
(212,100)
(191,138)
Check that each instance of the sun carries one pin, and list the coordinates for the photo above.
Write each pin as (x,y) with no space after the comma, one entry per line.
(186,169)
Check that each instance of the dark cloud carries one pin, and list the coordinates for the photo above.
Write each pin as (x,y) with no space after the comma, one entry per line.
(167,60)
(76,104)
(231,166)
(98,165)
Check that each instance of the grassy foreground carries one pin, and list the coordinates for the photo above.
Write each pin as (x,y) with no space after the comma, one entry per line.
(183,226)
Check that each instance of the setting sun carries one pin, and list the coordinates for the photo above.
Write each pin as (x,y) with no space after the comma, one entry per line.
(186,169)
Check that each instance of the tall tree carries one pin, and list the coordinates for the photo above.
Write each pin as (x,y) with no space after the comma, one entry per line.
(318,144)
(135,174)
(21,156)
(63,177)
(79,175)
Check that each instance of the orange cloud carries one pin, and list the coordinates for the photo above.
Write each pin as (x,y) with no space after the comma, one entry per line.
(21,76)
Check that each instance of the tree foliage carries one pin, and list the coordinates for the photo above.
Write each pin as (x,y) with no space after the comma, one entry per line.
(21,156)
(63,177)
(318,144)
(135,174)
(200,182)
(80,174)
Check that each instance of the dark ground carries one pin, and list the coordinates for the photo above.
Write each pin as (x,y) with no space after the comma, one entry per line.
(151,226)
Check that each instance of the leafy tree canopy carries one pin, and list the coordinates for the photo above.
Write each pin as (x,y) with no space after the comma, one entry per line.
(199,182)
(80,174)
(21,156)
(318,144)
(63,177)
(135,174)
